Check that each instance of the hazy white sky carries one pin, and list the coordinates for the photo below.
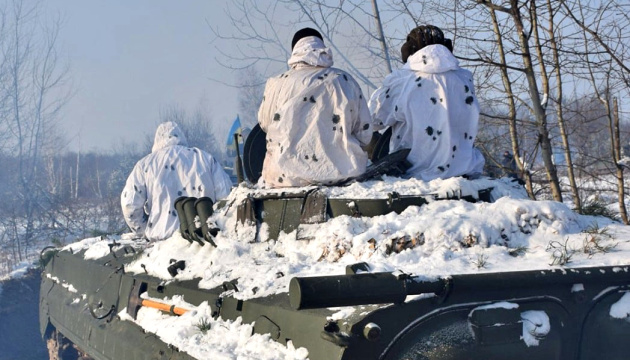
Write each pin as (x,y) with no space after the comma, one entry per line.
(129,59)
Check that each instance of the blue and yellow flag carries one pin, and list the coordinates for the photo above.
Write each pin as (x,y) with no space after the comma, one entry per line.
(235,129)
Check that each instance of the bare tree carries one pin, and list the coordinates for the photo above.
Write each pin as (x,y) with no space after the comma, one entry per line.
(32,93)
(518,13)
(257,36)
(251,85)
(360,33)
(511,104)
(198,128)
(616,149)
(596,58)
(556,66)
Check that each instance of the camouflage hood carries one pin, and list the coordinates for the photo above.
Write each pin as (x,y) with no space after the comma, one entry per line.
(168,134)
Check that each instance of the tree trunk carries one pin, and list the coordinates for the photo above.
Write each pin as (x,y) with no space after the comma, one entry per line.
(381,36)
(537,108)
(561,123)
(507,85)
(617,156)
(76,187)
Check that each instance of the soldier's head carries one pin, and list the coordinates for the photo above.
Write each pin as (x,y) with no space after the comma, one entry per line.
(422,36)
(302,33)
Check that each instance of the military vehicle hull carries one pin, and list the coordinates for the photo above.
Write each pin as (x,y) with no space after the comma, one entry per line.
(478,316)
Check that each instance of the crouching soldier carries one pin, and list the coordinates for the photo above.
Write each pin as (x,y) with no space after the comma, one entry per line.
(315,117)
(171,170)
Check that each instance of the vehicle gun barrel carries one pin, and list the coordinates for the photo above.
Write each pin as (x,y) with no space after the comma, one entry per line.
(385,287)
(358,289)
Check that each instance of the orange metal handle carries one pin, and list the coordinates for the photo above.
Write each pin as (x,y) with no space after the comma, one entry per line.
(164,307)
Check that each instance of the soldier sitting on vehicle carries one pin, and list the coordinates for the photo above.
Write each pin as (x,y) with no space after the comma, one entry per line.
(171,170)
(315,117)
(431,106)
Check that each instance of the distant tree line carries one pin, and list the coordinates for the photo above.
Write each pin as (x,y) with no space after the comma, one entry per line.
(76,195)
(49,195)
(33,89)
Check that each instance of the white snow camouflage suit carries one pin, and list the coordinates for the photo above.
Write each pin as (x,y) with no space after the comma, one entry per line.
(431,106)
(170,171)
(316,120)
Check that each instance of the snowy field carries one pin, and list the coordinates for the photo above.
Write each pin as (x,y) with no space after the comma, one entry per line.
(441,238)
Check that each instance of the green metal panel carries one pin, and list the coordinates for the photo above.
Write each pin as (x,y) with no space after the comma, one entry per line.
(448,325)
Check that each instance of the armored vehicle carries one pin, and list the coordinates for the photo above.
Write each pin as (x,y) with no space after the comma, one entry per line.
(574,313)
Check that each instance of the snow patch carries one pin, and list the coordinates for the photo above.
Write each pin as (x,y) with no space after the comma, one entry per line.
(577,288)
(70,288)
(203,337)
(343,313)
(536,326)
(18,271)
(498,305)
(621,309)
(434,240)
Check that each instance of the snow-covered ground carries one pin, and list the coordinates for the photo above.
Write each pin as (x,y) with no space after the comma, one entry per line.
(18,271)
(441,238)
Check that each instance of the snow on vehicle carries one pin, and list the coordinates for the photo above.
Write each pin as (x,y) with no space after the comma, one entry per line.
(392,269)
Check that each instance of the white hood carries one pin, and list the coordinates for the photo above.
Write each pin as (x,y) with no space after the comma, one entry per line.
(168,134)
(432,59)
(312,51)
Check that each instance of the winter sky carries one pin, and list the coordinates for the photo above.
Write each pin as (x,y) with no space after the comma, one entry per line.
(129,59)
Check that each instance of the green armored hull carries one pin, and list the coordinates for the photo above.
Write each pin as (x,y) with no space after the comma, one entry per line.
(575,313)
(455,322)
